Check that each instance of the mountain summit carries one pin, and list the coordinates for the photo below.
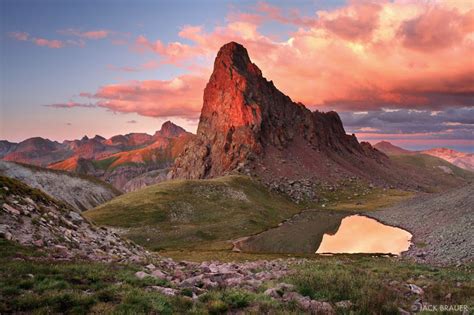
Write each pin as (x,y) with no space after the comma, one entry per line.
(247,123)
(170,130)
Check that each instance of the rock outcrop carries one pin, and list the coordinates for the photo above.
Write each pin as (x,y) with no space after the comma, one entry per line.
(247,124)
(30,217)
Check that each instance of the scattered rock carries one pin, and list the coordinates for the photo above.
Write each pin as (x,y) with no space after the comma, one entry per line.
(415,289)
(158,274)
(141,275)
(345,305)
(165,291)
(10,209)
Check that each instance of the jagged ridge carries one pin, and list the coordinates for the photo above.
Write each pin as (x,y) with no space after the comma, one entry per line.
(245,117)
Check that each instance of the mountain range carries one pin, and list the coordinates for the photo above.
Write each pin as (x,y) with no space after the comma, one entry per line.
(460,159)
(117,160)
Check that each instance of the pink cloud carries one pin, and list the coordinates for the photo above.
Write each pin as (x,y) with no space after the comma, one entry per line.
(21,36)
(436,28)
(355,22)
(181,96)
(149,65)
(50,43)
(362,56)
(354,57)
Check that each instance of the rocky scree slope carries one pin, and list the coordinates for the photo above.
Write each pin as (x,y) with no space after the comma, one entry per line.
(248,125)
(79,192)
(441,225)
(30,217)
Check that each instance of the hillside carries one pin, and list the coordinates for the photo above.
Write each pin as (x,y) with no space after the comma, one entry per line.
(460,159)
(391,149)
(431,173)
(80,192)
(30,217)
(189,213)
(441,225)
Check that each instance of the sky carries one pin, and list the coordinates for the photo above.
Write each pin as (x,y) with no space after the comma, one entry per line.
(400,70)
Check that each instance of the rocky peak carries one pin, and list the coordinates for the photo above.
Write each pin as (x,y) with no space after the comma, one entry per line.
(244,115)
(170,130)
(98,138)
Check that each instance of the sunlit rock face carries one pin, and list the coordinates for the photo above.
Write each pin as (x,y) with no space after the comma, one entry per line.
(244,117)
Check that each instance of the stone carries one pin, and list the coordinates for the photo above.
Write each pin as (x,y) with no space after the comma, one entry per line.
(179,274)
(165,291)
(159,274)
(323,308)
(285,287)
(76,218)
(415,289)
(291,296)
(141,275)
(192,281)
(7,235)
(345,305)
(273,292)
(209,284)
(150,267)
(10,209)
(38,243)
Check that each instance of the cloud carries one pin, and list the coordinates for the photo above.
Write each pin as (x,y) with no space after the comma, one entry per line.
(50,43)
(436,28)
(70,105)
(181,96)
(21,36)
(56,43)
(362,56)
(449,124)
(354,22)
(379,59)
(93,34)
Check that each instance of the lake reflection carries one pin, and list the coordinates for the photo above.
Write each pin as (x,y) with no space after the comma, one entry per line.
(328,232)
(359,234)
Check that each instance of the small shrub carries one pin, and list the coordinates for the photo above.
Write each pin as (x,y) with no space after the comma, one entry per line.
(216,307)
(237,299)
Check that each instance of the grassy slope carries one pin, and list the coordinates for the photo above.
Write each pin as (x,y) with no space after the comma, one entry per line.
(357,196)
(29,283)
(192,213)
(197,218)
(439,180)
